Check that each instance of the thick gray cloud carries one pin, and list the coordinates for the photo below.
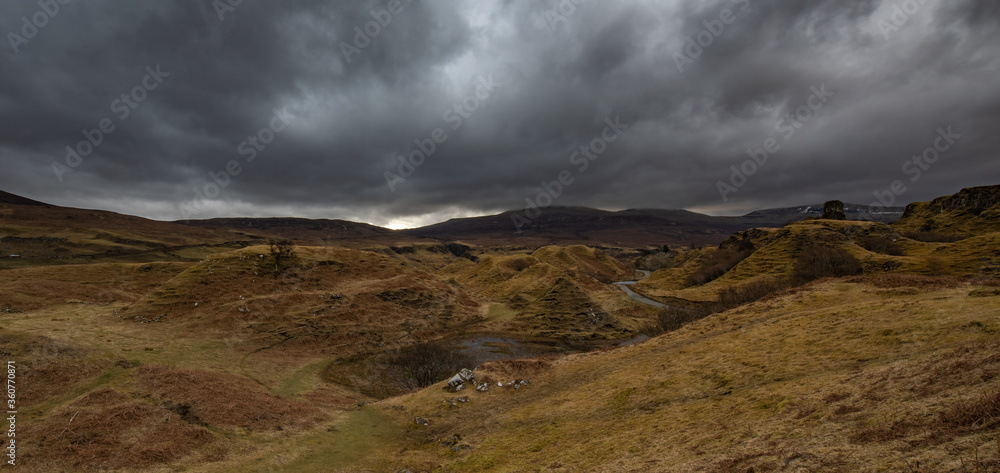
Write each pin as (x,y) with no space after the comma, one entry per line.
(897,71)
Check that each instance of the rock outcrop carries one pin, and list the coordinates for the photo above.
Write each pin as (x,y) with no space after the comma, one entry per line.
(834,210)
(974,210)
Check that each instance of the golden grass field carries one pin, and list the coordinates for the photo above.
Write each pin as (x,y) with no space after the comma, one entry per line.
(841,376)
(218,358)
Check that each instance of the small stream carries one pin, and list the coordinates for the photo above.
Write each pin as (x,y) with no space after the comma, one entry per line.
(483,348)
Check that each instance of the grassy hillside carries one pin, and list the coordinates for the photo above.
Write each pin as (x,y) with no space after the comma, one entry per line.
(775,254)
(47,234)
(43,234)
(33,288)
(974,210)
(891,374)
(199,362)
(820,346)
(231,355)
(554,292)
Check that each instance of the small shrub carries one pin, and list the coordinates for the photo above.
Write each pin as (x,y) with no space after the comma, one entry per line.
(981,412)
(675,317)
(818,261)
(719,263)
(884,431)
(881,244)
(656,260)
(283,253)
(419,366)
(736,296)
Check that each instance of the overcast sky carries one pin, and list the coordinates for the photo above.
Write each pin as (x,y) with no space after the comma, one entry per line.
(871,82)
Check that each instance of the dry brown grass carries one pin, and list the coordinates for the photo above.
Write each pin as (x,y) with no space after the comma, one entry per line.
(832,362)
(48,367)
(980,411)
(28,289)
(897,280)
(834,377)
(882,244)
(224,400)
(106,429)
(508,370)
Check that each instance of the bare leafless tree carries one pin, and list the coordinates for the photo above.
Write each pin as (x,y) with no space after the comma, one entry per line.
(421,365)
(283,252)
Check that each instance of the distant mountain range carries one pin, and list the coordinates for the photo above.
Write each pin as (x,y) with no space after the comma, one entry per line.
(633,228)
(554,226)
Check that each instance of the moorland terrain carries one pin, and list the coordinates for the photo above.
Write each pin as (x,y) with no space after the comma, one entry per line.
(778,341)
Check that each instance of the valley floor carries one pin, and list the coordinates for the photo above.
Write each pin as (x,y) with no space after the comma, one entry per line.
(855,375)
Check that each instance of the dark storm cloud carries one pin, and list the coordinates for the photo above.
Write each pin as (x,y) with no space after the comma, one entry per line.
(898,71)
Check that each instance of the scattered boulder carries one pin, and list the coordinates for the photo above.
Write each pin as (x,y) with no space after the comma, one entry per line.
(458,381)
(421,421)
(518,383)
